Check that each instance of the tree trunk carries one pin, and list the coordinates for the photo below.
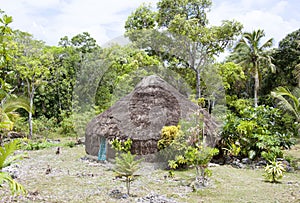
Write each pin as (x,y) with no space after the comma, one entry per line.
(31,90)
(128,185)
(256,86)
(30,117)
(198,88)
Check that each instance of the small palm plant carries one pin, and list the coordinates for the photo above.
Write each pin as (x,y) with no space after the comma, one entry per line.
(7,159)
(126,165)
(274,171)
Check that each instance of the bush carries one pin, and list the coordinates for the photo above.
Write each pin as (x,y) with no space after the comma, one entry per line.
(75,124)
(274,171)
(185,147)
(168,134)
(42,126)
(259,132)
(37,145)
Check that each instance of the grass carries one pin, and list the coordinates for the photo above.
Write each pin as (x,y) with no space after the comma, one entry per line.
(75,180)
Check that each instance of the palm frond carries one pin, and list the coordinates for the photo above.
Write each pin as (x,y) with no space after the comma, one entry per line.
(14,186)
(13,104)
(7,150)
(287,100)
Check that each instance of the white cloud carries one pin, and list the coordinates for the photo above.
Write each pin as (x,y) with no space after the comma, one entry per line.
(49,20)
(273,16)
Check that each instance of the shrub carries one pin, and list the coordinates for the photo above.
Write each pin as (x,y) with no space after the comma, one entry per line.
(260,132)
(37,145)
(274,171)
(168,134)
(42,126)
(188,148)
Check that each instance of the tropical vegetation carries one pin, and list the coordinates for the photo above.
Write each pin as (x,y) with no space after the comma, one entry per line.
(53,91)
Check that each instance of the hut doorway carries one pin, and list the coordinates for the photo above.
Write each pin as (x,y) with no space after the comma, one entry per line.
(102,149)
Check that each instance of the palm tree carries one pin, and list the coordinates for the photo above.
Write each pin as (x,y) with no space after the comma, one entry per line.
(289,101)
(249,53)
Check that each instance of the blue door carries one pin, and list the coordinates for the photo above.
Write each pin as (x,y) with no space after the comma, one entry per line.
(102,149)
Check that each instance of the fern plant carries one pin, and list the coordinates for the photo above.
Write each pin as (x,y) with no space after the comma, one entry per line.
(274,171)
(6,159)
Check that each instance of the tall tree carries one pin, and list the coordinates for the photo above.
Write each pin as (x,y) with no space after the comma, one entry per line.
(5,35)
(33,65)
(252,55)
(181,35)
(286,58)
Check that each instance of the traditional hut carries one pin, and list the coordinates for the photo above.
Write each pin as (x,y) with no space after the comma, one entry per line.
(139,116)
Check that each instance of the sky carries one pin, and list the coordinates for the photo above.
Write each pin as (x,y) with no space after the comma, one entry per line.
(50,20)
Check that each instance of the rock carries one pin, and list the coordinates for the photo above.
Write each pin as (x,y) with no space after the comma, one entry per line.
(13,170)
(213,165)
(246,161)
(14,135)
(116,194)
(155,198)
(262,163)
(237,164)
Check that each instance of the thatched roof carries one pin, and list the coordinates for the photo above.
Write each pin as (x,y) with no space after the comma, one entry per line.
(140,116)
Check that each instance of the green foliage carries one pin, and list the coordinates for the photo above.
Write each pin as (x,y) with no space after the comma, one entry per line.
(237,105)
(120,146)
(288,101)
(274,171)
(124,69)
(233,78)
(76,123)
(253,56)
(186,148)
(233,149)
(286,58)
(199,157)
(8,107)
(259,132)
(168,134)
(66,126)
(70,144)
(126,165)
(184,25)
(38,145)
(142,18)
(6,159)
(5,35)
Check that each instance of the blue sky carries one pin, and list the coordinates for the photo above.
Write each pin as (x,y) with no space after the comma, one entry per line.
(49,20)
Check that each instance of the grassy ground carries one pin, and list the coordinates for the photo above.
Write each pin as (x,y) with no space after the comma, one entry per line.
(73,179)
